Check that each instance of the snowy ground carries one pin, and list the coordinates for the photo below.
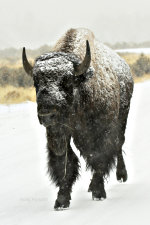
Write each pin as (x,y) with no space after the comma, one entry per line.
(27,196)
(134,50)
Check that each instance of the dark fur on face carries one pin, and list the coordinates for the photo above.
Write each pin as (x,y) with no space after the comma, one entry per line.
(92,108)
(55,81)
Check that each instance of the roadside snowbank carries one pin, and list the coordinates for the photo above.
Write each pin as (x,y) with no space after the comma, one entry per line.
(134,50)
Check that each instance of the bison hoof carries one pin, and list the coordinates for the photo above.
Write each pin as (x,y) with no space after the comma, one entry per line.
(61,206)
(62,202)
(122,175)
(98,195)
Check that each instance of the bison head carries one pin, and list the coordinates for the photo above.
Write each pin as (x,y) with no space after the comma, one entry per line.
(55,76)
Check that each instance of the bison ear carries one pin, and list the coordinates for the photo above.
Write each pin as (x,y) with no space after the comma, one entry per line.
(77,80)
(27,67)
(83,67)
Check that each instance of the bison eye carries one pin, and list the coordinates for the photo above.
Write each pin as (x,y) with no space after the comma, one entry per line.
(36,84)
(66,85)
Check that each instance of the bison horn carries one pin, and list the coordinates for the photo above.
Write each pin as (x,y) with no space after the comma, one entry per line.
(27,67)
(82,68)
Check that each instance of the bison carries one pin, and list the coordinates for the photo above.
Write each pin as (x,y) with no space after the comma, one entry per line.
(83,91)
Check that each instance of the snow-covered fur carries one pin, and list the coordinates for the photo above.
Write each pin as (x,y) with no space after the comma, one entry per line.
(92,108)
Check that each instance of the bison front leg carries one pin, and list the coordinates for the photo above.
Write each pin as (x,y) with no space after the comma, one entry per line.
(64,172)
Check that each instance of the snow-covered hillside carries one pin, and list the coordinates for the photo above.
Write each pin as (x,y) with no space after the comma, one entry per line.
(134,50)
(27,196)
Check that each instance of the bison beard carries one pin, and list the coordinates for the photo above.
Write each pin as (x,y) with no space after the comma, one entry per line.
(83,91)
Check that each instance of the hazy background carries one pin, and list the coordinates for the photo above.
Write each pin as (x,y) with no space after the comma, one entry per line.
(33,23)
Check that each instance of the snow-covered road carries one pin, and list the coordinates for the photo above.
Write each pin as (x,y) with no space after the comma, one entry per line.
(27,196)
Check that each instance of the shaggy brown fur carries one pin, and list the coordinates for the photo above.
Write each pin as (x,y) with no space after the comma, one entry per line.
(92,108)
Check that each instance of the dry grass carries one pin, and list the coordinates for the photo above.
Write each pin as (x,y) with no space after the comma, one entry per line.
(142,79)
(13,95)
(7,63)
(15,65)
(131,58)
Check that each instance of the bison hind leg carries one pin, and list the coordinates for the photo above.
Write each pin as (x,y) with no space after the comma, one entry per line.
(97,187)
(101,161)
(101,168)
(121,172)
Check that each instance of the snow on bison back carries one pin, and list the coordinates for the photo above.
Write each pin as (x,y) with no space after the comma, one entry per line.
(83,91)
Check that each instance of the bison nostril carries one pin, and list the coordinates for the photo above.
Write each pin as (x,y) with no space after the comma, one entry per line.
(52,116)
